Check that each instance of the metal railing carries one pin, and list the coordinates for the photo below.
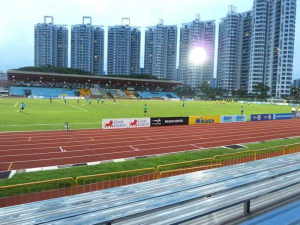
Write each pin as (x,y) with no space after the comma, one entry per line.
(234,158)
(270,152)
(115,179)
(41,190)
(293,148)
(35,191)
(182,165)
(170,173)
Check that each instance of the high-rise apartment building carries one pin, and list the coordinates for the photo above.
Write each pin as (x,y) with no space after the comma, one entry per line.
(192,35)
(50,44)
(258,47)
(123,53)
(279,51)
(161,51)
(258,44)
(246,31)
(87,47)
(234,50)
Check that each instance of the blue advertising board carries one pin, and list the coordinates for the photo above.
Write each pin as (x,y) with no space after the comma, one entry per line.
(261,117)
(233,119)
(283,116)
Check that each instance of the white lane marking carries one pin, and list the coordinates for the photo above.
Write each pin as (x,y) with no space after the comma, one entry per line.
(16,104)
(62,150)
(135,149)
(74,106)
(196,146)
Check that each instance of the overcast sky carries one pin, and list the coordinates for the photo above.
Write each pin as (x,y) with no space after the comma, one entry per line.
(18,17)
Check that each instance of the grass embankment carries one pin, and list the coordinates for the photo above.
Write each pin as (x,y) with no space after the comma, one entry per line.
(136,164)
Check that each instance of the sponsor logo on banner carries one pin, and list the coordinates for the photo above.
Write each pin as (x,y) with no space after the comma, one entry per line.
(125,123)
(169,121)
(204,120)
(114,123)
(241,118)
(283,116)
(261,117)
(141,122)
(232,119)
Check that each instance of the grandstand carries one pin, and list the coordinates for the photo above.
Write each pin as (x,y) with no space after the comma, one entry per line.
(95,92)
(162,95)
(227,194)
(85,92)
(42,91)
(55,85)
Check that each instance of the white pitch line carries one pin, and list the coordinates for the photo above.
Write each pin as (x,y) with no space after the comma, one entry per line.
(74,106)
(16,104)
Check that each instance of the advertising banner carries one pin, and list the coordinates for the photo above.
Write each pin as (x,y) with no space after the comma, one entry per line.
(234,119)
(114,123)
(139,122)
(261,117)
(204,119)
(169,121)
(283,116)
(125,123)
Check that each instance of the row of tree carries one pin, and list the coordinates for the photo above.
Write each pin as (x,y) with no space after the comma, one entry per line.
(259,91)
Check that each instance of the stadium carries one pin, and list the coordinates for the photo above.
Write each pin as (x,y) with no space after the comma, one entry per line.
(202,129)
(83,139)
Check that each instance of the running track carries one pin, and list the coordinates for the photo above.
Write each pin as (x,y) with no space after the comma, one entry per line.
(23,150)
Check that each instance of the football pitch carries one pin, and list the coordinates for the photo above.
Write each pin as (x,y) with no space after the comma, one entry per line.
(40,114)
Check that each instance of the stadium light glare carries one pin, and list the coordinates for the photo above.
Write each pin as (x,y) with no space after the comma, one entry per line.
(197,55)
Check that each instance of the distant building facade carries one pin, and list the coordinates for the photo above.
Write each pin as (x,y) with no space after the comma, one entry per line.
(296,83)
(87,47)
(192,35)
(234,50)
(258,47)
(3,76)
(161,51)
(142,71)
(213,83)
(123,53)
(50,44)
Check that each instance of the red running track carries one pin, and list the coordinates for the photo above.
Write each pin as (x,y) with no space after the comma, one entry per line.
(23,150)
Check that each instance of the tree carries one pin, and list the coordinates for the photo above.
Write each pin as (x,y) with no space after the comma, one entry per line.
(261,90)
(241,93)
(205,88)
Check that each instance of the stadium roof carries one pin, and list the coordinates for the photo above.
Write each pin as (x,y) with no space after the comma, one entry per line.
(87,79)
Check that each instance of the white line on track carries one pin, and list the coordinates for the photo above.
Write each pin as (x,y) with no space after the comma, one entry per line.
(87,132)
(65,142)
(159,140)
(135,149)
(62,150)
(95,131)
(74,106)
(196,146)
(71,157)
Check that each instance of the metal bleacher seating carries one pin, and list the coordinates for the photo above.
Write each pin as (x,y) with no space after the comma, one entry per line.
(42,91)
(95,92)
(173,200)
(149,95)
(103,92)
(112,93)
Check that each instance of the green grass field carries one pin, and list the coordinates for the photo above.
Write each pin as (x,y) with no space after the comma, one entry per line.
(39,114)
